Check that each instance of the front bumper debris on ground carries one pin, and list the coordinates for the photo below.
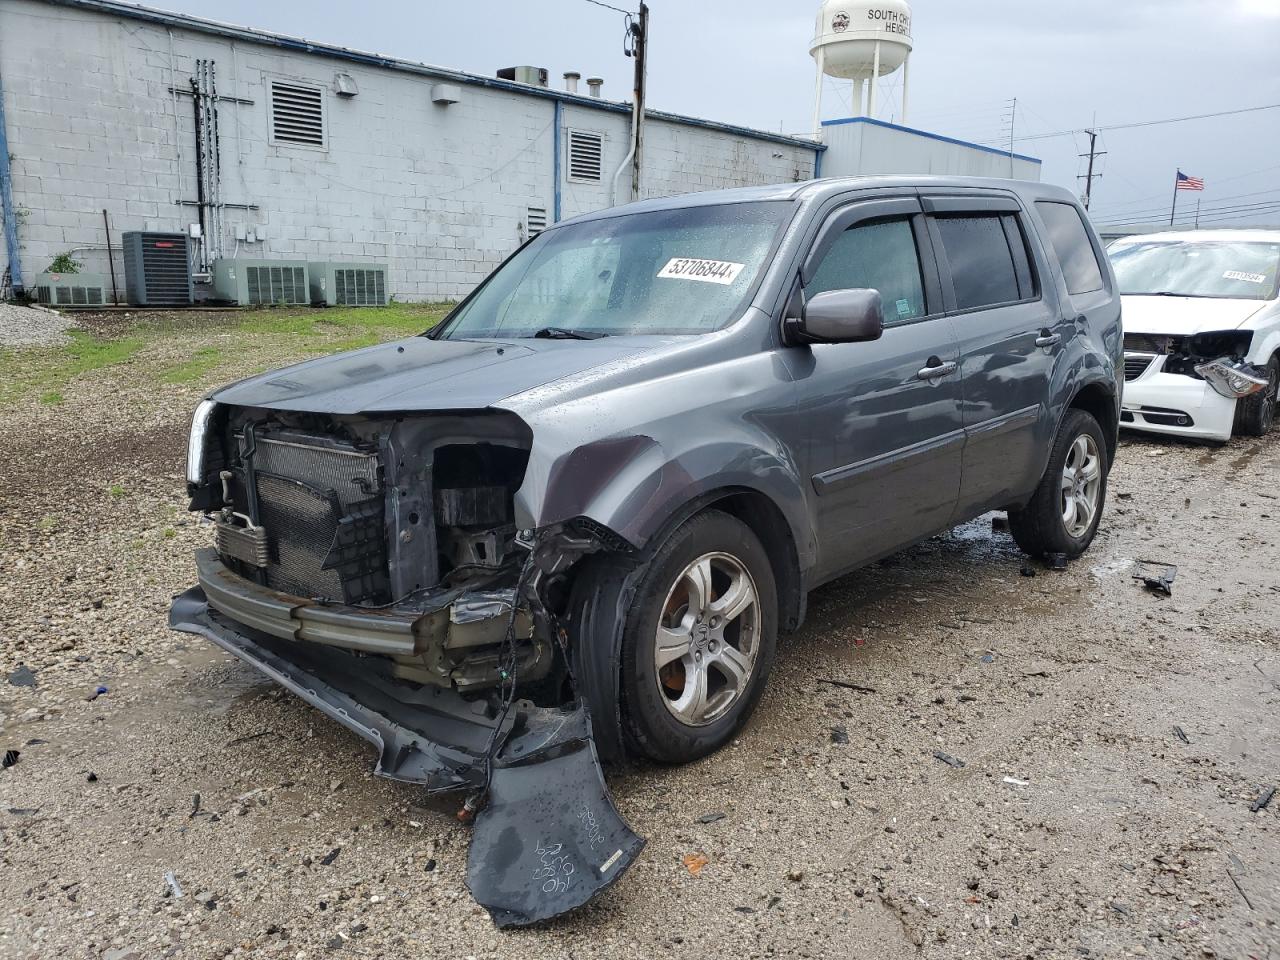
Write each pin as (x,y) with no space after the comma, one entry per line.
(549,837)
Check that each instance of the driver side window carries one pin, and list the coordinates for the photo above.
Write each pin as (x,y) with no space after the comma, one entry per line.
(881,255)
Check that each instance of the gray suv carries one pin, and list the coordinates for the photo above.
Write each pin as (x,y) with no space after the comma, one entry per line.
(570,521)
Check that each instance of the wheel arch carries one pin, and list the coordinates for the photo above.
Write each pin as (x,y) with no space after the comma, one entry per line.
(1100,401)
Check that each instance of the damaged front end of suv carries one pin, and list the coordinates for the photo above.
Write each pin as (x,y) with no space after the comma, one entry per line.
(373,565)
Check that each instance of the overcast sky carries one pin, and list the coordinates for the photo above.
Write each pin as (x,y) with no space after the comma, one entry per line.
(747,62)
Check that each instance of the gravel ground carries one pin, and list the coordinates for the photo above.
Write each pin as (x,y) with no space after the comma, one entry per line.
(29,327)
(1082,823)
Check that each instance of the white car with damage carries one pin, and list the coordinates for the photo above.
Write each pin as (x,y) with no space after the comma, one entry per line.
(1201,331)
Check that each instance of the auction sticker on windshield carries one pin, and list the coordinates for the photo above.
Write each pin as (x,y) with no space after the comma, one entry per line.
(1241,275)
(708,271)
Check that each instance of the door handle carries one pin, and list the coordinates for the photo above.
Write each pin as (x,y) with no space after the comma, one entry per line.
(1047,339)
(936,368)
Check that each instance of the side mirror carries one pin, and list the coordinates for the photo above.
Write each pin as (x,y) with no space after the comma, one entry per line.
(842,316)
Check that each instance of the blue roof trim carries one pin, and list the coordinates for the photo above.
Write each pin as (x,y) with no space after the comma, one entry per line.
(931,136)
(165,18)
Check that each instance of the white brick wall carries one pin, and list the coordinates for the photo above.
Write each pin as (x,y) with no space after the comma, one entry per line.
(440,193)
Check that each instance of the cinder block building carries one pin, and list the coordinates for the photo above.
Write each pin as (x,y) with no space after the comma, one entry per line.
(286,149)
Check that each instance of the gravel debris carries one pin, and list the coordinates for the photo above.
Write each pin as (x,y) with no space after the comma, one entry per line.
(1071,682)
(32,327)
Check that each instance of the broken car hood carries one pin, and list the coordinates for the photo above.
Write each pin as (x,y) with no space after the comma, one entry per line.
(1185,316)
(424,374)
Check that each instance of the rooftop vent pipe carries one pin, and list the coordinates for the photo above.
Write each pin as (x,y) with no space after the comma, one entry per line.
(594,84)
(571,81)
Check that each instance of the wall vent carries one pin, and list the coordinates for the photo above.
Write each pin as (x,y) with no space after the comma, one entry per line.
(586,156)
(157,269)
(297,114)
(348,284)
(536,221)
(243,281)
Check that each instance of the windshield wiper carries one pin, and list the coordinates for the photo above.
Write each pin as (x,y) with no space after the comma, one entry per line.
(560,333)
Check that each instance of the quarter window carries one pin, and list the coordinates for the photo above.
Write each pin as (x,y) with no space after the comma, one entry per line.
(983,269)
(1070,241)
(879,255)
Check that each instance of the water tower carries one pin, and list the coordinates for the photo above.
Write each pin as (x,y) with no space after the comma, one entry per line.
(861,42)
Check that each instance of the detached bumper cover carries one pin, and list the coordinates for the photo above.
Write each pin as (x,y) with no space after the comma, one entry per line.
(549,838)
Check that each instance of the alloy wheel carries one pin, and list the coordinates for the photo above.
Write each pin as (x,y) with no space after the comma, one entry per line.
(1081,485)
(708,637)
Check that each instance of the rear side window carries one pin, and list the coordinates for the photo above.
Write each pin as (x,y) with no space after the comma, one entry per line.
(1070,241)
(983,268)
(880,255)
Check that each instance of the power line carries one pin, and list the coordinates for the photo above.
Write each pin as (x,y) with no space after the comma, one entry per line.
(1147,123)
(1217,201)
(607,6)
(1241,210)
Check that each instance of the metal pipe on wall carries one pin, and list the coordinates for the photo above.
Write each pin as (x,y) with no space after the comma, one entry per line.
(6,202)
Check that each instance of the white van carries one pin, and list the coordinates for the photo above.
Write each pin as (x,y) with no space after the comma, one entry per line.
(1201,331)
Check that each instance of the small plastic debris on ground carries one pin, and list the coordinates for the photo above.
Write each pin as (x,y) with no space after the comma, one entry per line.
(694,862)
(711,817)
(1181,734)
(24,811)
(22,677)
(97,693)
(846,685)
(10,758)
(1264,798)
(1156,576)
(92,777)
(840,734)
(1015,782)
(988,658)
(1055,561)
(429,865)
(331,856)
(174,888)
(948,759)
(1027,570)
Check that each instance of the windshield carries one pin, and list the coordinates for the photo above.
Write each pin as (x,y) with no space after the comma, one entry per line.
(679,271)
(1236,269)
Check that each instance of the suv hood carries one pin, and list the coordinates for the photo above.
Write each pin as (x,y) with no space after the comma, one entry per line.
(424,374)
(1185,316)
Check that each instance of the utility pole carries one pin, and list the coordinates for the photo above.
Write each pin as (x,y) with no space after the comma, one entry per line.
(1013,119)
(1197,213)
(640,33)
(1093,153)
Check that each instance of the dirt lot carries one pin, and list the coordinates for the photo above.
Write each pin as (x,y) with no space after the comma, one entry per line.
(1075,821)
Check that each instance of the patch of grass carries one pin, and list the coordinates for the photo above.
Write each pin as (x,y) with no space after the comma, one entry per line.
(45,371)
(116,490)
(86,353)
(200,363)
(169,533)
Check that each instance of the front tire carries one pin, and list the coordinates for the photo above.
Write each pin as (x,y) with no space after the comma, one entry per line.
(1063,514)
(699,640)
(1256,414)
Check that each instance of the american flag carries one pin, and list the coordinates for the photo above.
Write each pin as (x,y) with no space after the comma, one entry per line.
(1189,183)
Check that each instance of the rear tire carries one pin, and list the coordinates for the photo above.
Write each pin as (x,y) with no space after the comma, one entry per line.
(1256,414)
(699,640)
(1057,518)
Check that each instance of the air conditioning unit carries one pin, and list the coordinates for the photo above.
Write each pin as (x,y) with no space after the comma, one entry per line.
(270,282)
(534,76)
(71,289)
(157,269)
(349,284)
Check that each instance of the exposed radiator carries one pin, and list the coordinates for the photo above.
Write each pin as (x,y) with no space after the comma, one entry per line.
(322,508)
